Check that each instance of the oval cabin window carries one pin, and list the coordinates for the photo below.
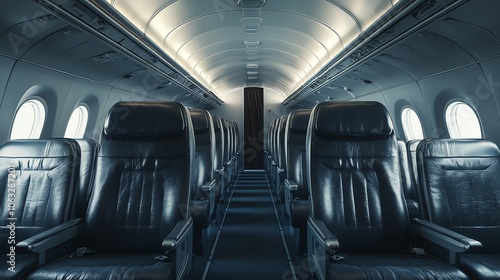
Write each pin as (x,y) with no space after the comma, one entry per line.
(29,120)
(77,122)
(462,121)
(412,126)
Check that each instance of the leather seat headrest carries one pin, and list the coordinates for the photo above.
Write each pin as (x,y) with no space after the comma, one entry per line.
(23,148)
(353,119)
(139,119)
(200,120)
(299,119)
(460,148)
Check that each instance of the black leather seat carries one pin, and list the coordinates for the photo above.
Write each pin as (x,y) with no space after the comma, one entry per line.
(88,156)
(218,164)
(278,174)
(202,188)
(271,166)
(268,149)
(237,149)
(281,155)
(411,148)
(461,190)
(233,164)
(227,155)
(137,224)
(295,192)
(407,181)
(39,182)
(359,226)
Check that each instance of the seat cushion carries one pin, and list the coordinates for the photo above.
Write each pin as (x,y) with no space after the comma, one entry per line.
(481,266)
(392,266)
(112,266)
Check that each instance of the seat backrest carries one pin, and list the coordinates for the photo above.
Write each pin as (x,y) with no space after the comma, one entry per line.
(237,147)
(295,145)
(274,140)
(237,138)
(281,142)
(219,143)
(39,180)
(411,147)
(233,137)
(88,155)
(460,185)
(269,145)
(407,180)
(204,151)
(353,176)
(227,141)
(142,182)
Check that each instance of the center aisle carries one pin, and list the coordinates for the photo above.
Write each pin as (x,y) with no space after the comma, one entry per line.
(250,244)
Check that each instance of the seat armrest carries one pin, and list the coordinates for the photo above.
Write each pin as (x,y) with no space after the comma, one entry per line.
(321,247)
(291,185)
(53,236)
(220,171)
(324,235)
(181,231)
(280,170)
(208,186)
(274,163)
(444,237)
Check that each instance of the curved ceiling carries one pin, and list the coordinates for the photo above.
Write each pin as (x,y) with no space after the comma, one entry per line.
(223,45)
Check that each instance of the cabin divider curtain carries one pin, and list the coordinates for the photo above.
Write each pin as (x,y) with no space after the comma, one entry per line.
(254,128)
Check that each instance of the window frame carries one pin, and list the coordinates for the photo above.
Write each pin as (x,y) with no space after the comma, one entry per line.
(82,126)
(39,118)
(407,124)
(450,113)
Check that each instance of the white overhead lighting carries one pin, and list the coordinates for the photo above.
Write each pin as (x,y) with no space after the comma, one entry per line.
(250,3)
(251,43)
(252,66)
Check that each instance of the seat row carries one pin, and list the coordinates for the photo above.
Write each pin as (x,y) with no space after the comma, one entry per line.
(359,204)
(136,205)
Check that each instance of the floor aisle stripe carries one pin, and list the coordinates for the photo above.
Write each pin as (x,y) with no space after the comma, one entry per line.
(288,256)
(209,262)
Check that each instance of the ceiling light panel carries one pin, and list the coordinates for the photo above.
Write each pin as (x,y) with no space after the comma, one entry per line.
(251,3)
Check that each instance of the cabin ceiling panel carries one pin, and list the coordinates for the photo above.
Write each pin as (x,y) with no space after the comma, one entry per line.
(20,37)
(53,48)
(18,12)
(427,53)
(482,45)
(196,34)
(481,14)
(445,53)
(415,62)
(354,85)
(380,74)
